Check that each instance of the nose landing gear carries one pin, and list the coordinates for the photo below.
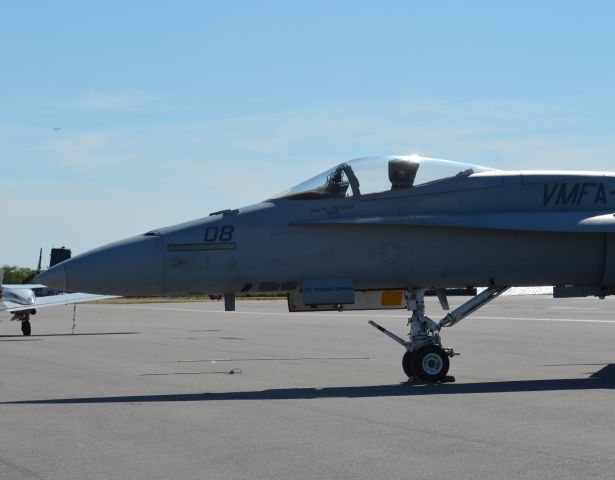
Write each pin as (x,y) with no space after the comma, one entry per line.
(26,328)
(425,357)
(24,318)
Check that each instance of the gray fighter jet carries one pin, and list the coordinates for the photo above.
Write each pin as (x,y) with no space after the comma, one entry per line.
(374,233)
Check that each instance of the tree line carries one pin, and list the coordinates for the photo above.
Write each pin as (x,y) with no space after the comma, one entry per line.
(13,274)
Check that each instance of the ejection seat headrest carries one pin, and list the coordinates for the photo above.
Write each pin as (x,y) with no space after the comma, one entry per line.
(402,172)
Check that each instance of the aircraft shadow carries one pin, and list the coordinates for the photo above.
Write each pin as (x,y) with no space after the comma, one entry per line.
(603,379)
(4,338)
(68,335)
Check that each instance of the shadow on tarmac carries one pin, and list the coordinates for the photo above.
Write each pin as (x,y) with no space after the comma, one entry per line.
(34,337)
(603,379)
(4,339)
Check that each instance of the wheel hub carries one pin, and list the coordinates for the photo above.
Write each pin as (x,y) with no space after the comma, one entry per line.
(432,364)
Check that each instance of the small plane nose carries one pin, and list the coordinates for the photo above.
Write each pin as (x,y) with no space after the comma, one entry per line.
(131,267)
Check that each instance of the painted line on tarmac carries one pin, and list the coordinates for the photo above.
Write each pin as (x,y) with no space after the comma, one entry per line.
(269,314)
(360,315)
(533,319)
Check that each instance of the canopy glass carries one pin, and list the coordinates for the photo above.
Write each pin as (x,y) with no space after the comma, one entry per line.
(369,175)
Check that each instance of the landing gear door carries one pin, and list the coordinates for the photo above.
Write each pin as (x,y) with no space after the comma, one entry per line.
(362,299)
(609,261)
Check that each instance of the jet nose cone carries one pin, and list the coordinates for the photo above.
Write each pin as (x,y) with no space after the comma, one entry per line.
(132,267)
(54,277)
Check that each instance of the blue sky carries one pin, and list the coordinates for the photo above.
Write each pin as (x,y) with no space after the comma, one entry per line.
(171,110)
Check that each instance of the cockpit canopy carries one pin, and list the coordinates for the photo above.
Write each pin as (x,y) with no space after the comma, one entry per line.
(370,175)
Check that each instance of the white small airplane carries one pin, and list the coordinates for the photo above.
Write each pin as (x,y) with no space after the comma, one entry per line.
(21,301)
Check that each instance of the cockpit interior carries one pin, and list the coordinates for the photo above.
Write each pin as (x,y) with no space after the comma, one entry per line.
(377,175)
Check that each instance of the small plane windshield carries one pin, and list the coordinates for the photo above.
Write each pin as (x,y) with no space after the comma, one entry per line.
(369,175)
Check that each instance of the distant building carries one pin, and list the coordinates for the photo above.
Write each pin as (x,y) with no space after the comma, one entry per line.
(59,255)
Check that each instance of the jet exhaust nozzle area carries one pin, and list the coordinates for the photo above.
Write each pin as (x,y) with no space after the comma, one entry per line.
(131,267)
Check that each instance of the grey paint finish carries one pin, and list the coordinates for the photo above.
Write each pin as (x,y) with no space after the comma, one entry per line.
(507,228)
(609,264)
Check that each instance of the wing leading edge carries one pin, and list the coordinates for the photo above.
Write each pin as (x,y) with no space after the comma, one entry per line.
(54,300)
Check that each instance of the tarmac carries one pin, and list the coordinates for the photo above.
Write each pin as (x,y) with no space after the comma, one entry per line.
(187,391)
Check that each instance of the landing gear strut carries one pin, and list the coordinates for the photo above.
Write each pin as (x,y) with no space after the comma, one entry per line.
(24,318)
(425,357)
(26,328)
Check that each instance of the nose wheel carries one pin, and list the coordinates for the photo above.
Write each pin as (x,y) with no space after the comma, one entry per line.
(430,363)
(407,364)
(26,328)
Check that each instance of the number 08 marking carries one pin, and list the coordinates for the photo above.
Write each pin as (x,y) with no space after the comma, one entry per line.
(219,234)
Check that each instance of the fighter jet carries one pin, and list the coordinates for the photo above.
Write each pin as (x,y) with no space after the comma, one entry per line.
(21,301)
(375,233)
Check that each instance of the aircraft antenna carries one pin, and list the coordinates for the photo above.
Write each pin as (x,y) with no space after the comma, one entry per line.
(40,259)
(29,278)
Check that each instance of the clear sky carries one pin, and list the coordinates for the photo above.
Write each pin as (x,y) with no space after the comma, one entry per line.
(170,110)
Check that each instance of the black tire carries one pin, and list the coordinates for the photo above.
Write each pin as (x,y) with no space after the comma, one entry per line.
(406,364)
(26,328)
(431,363)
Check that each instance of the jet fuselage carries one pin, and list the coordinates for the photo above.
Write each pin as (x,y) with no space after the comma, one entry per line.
(472,229)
